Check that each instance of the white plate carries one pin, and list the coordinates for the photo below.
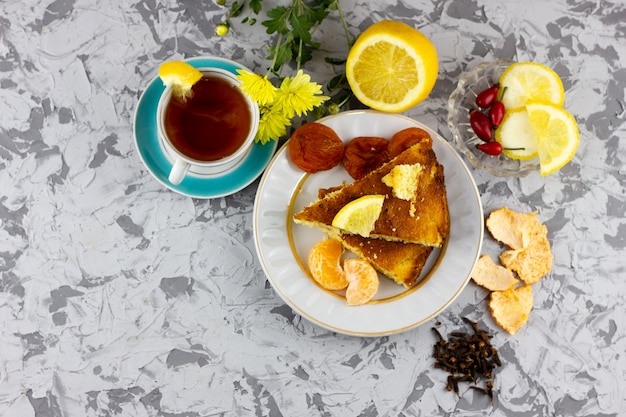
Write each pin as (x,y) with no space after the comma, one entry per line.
(283,246)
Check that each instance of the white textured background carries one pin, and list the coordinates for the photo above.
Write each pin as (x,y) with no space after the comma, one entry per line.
(120,297)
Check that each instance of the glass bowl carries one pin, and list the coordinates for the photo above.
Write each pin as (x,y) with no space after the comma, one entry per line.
(461,101)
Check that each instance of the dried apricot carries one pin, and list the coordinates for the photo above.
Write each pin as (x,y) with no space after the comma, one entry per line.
(324,262)
(315,147)
(404,139)
(364,154)
(362,281)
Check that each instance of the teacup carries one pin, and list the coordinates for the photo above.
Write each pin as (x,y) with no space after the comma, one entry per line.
(209,132)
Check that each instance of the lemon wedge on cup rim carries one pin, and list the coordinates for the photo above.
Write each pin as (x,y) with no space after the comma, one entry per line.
(360,215)
(391,66)
(180,75)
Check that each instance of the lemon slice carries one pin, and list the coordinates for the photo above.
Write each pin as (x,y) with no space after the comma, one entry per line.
(180,75)
(392,67)
(530,81)
(516,135)
(359,216)
(556,133)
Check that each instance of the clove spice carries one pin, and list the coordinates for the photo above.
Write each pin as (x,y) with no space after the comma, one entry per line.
(467,357)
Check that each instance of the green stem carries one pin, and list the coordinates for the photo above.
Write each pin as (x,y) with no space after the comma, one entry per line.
(502,93)
(343,24)
(278,44)
(299,58)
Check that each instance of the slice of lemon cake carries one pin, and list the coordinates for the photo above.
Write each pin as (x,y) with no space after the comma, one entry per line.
(415,207)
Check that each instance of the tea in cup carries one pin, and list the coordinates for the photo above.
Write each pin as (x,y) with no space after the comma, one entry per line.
(212,130)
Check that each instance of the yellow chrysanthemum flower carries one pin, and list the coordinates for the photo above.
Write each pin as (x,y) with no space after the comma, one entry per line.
(298,95)
(272,124)
(259,88)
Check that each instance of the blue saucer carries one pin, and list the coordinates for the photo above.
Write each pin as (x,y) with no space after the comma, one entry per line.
(196,186)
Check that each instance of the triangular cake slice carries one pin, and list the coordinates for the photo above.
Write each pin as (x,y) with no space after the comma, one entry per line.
(401,262)
(415,209)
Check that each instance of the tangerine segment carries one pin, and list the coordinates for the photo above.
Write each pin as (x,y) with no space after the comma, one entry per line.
(362,281)
(324,262)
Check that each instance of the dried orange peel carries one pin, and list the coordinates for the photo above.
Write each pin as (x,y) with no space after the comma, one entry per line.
(491,276)
(529,257)
(530,263)
(511,308)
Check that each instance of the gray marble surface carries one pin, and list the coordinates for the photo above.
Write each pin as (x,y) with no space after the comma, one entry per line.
(119,297)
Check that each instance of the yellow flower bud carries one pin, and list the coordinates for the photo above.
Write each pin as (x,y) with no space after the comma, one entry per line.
(221,29)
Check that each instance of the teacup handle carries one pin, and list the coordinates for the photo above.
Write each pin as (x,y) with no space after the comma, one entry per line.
(178,172)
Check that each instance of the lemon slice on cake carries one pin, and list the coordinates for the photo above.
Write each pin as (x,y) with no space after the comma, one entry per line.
(180,75)
(392,67)
(360,215)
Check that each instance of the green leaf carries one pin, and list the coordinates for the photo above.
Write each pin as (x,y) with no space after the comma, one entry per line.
(256,6)
(236,8)
(277,22)
(335,61)
(335,82)
(306,54)
(301,27)
(328,4)
(280,55)
(317,14)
